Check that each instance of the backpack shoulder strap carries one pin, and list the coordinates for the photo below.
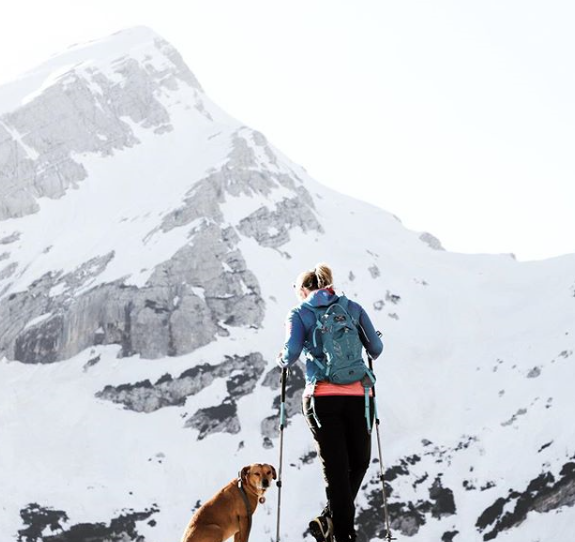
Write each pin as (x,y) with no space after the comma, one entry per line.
(343,302)
(317,312)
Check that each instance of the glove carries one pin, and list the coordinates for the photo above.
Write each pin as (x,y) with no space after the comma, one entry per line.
(280,361)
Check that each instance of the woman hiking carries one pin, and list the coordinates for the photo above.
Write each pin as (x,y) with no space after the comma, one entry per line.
(331,330)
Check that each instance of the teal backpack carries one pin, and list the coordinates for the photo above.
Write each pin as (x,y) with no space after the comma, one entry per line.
(336,334)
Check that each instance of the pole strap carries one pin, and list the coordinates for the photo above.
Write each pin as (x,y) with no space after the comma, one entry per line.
(367,413)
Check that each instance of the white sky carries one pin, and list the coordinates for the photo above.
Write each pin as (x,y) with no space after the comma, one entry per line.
(457,116)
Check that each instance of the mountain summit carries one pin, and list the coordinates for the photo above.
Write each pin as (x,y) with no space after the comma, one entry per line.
(148,243)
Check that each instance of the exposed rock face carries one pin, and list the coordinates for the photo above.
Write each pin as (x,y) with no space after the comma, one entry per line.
(217,419)
(8,271)
(434,499)
(374,271)
(82,111)
(12,238)
(190,299)
(405,517)
(242,176)
(442,500)
(38,520)
(242,374)
(166,317)
(432,241)
(543,494)
(271,228)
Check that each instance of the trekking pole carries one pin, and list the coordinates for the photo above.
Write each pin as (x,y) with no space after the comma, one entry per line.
(388,536)
(282,425)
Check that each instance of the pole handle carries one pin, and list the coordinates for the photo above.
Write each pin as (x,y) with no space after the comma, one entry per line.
(283,399)
(283,383)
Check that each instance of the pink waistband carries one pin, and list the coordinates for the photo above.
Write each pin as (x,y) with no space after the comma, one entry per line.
(327,388)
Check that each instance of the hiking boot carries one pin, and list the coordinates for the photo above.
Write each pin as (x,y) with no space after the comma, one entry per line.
(321,528)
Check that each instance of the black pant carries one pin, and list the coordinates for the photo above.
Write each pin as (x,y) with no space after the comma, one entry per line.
(344,447)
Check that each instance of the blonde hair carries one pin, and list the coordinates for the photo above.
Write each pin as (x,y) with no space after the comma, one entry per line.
(319,277)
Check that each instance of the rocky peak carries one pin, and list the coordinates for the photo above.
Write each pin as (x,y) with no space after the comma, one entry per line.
(83,101)
(133,93)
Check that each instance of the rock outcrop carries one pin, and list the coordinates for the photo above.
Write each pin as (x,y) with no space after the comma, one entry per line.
(204,289)
(241,372)
(44,524)
(544,493)
(83,110)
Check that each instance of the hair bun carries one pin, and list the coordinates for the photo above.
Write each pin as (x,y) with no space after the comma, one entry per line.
(324,275)
(319,277)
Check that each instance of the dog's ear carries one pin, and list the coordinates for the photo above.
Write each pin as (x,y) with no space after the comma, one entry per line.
(244,472)
(274,475)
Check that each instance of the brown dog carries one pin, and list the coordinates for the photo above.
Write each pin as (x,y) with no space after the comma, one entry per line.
(229,512)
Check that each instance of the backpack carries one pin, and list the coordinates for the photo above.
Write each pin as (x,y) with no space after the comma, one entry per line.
(336,333)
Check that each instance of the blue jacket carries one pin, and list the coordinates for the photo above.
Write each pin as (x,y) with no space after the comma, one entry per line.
(301,322)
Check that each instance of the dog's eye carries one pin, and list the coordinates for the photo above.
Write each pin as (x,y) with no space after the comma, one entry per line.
(257,473)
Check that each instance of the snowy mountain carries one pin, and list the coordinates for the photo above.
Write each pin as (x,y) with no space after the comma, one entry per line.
(148,243)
